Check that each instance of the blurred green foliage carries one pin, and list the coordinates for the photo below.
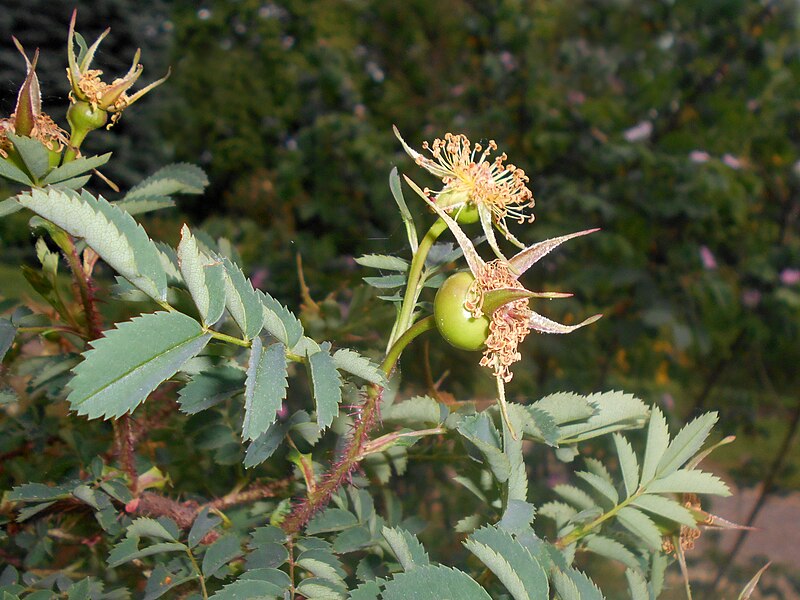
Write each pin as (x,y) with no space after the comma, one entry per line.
(670,124)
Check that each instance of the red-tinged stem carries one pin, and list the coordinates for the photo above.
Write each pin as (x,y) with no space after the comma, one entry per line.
(124,437)
(125,440)
(353,452)
(85,288)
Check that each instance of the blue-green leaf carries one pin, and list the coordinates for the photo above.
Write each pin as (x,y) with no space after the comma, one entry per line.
(614,411)
(265,388)
(10,171)
(360,366)
(481,432)
(408,220)
(666,508)
(611,548)
(179,178)
(279,321)
(33,153)
(220,553)
(76,167)
(382,261)
(209,388)
(690,482)
(146,204)
(242,301)
(600,485)
(433,583)
(322,563)
(641,526)
(261,448)
(637,585)
(627,464)
(128,550)
(331,519)
(248,589)
(657,442)
(7,334)
(406,547)
(512,563)
(131,361)
(686,443)
(326,387)
(203,523)
(110,232)
(316,588)
(204,277)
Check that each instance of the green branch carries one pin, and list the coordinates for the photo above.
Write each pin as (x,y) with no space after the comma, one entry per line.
(582,531)
(415,280)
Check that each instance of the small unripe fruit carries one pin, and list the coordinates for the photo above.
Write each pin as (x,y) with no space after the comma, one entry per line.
(82,116)
(453,320)
(467,214)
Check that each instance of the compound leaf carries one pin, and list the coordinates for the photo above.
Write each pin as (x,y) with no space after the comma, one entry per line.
(641,526)
(686,443)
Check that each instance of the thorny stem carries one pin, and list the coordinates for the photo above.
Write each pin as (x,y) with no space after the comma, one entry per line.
(126,448)
(414,278)
(84,285)
(353,452)
(123,433)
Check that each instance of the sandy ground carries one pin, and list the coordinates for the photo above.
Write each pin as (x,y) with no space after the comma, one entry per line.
(776,539)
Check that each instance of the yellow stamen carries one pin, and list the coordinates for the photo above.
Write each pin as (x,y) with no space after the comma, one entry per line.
(501,188)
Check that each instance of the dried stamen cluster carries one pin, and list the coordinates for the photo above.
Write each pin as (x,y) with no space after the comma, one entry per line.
(508,325)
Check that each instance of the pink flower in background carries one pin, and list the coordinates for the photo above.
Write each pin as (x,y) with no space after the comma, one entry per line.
(699,156)
(790,276)
(709,262)
(751,298)
(639,132)
(576,97)
(732,161)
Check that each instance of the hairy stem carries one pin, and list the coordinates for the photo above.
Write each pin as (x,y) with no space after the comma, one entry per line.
(353,452)
(125,441)
(403,333)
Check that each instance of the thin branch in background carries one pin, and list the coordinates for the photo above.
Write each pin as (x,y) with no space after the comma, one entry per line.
(766,488)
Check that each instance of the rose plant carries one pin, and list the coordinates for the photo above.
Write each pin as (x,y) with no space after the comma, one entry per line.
(190,438)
